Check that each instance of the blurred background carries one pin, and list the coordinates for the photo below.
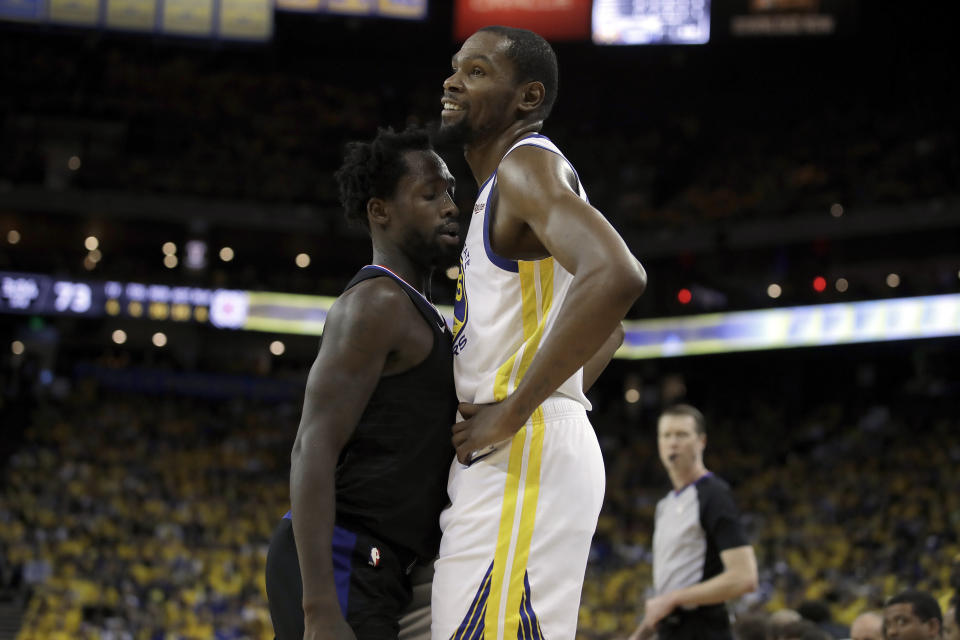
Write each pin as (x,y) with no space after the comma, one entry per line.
(170,238)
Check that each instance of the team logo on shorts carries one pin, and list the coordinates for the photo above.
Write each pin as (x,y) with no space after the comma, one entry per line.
(374,560)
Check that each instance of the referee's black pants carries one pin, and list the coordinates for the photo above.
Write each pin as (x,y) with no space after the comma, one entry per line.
(705,623)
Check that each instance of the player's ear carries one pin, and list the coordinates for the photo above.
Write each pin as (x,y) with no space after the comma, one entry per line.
(532,95)
(377,212)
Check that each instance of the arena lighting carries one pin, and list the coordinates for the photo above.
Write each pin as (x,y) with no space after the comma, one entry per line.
(169,248)
(302,260)
(836,210)
(73,163)
(159,339)
(89,263)
(13,236)
(774,290)
(283,313)
(196,255)
(16,347)
(95,255)
(819,284)
(842,285)
(684,296)
(277,348)
(170,262)
(454,273)
(632,396)
(119,336)
(91,243)
(226,254)
(893,280)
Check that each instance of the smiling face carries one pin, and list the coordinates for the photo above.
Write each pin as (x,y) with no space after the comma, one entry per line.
(481,96)
(422,214)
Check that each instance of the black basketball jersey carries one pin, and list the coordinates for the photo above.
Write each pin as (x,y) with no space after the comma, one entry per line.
(391,477)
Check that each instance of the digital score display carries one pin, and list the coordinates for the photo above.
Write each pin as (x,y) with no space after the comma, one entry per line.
(42,295)
(651,22)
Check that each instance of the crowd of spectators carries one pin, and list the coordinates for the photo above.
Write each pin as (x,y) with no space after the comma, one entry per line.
(126,515)
(144,518)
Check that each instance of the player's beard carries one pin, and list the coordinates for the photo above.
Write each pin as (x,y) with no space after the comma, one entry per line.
(462,132)
(428,251)
(455,135)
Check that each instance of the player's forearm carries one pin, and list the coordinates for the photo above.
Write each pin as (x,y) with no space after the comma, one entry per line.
(596,302)
(720,588)
(313,511)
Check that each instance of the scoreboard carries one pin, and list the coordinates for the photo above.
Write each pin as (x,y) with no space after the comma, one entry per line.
(42,295)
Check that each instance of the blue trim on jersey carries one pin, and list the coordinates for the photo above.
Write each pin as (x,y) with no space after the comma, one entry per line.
(441,321)
(288,516)
(343,544)
(565,159)
(677,492)
(503,263)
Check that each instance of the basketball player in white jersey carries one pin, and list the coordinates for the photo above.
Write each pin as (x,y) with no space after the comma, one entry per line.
(544,282)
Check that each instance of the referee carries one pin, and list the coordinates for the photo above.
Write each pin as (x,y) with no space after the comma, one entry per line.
(701,557)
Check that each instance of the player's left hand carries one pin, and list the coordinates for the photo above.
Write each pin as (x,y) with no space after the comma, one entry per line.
(483,425)
(656,609)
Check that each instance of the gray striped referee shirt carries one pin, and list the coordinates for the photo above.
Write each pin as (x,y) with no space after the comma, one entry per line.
(693,525)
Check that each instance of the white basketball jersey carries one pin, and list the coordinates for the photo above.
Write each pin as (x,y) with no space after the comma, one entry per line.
(505,309)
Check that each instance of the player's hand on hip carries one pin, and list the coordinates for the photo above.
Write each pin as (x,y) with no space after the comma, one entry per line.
(484,425)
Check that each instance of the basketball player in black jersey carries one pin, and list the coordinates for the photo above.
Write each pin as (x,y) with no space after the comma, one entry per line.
(369,464)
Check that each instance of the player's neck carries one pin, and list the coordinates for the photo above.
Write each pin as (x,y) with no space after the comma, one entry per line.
(685,477)
(396,261)
(484,156)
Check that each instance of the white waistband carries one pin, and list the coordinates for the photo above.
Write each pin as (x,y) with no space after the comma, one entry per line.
(561,407)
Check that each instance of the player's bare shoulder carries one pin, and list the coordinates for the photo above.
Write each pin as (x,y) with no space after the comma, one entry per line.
(375,311)
(535,172)
(380,319)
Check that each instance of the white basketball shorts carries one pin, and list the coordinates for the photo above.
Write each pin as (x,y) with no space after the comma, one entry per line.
(517,533)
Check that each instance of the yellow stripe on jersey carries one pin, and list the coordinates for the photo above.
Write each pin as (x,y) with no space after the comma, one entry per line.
(505,534)
(531,492)
(528,288)
(503,379)
(536,282)
(528,298)
(545,270)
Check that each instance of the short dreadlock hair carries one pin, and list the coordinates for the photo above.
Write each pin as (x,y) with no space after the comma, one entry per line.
(373,169)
